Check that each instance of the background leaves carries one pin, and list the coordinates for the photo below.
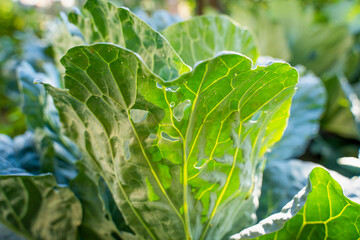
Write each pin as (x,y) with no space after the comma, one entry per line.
(26,202)
(197,39)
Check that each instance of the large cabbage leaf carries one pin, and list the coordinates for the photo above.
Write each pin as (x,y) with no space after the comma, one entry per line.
(177,156)
(102,21)
(319,211)
(198,39)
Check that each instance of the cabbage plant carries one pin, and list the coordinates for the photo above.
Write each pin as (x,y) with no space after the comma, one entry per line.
(172,131)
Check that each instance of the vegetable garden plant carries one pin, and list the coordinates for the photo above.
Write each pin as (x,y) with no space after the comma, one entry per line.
(165,136)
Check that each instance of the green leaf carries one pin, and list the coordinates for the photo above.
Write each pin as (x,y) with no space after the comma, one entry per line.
(56,155)
(321,47)
(307,108)
(62,37)
(122,27)
(177,156)
(36,104)
(37,208)
(290,30)
(282,180)
(319,211)
(97,222)
(20,153)
(198,39)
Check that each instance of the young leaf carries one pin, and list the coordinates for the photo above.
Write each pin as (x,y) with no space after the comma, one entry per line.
(37,208)
(177,156)
(198,39)
(122,27)
(319,211)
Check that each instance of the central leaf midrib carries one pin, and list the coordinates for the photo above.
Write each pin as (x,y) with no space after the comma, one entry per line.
(138,138)
(134,128)
(151,168)
(136,134)
(116,175)
(185,156)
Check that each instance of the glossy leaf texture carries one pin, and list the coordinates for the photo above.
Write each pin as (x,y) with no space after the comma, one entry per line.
(199,38)
(37,208)
(308,106)
(319,211)
(102,21)
(177,156)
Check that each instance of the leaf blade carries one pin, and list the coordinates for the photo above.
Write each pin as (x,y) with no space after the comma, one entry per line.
(206,44)
(141,131)
(122,27)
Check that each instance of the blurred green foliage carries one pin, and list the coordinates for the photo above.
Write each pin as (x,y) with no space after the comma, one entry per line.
(20,28)
(13,18)
(324,37)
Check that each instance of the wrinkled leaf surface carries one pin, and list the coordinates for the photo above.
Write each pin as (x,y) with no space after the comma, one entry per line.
(177,156)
